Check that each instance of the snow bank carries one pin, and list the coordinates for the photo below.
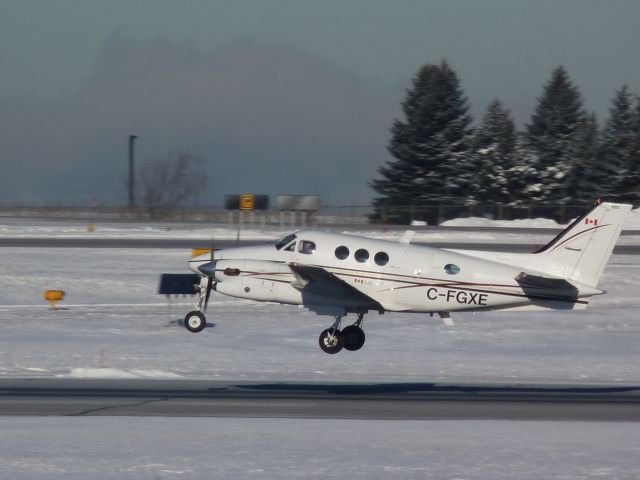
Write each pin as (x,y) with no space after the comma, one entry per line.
(632,223)
(485,222)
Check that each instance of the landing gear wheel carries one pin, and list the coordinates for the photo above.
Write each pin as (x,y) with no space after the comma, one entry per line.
(353,338)
(195,321)
(331,341)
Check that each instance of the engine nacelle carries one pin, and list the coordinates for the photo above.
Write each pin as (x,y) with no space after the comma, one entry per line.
(256,280)
(232,287)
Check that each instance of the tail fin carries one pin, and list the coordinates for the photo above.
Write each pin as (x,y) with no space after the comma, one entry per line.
(581,251)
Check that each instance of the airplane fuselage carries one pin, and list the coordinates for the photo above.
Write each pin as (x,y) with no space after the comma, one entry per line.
(399,276)
(336,274)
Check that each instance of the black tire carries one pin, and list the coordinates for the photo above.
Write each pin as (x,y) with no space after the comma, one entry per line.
(329,344)
(195,321)
(353,338)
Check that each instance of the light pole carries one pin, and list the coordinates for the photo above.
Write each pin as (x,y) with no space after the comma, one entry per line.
(132,139)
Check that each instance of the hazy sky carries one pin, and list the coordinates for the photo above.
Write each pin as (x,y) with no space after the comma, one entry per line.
(278,96)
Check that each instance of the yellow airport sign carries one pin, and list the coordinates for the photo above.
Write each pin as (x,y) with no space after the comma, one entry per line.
(54,296)
(247,202)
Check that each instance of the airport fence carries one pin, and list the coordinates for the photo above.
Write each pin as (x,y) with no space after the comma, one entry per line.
(339,215)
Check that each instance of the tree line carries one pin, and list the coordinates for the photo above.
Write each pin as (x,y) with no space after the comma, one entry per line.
(561,157)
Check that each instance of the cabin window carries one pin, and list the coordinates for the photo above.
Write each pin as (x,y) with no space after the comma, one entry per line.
(291,248)
(381,258)
(361,255)
(306,247)
(451,269)
(342,252)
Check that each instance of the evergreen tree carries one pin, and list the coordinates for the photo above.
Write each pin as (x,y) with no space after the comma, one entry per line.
(630,186)
(522,177)
(429,147)
(585,181)
(493,156)
(621,141)
(551,136)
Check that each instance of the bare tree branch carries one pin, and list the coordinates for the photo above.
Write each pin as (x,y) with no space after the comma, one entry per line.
(172,181)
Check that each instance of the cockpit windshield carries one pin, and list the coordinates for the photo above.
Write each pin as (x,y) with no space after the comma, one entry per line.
(284,241)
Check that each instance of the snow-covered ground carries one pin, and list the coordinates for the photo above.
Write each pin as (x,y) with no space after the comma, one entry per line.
(113,324)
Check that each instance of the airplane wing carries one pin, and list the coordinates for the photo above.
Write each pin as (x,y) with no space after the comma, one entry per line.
(317,281)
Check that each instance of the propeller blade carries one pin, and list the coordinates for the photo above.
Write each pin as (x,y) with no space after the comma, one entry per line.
(209,269)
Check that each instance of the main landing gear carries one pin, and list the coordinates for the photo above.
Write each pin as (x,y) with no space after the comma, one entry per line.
(352,338)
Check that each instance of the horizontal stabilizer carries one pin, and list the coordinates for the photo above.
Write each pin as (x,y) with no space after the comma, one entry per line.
(527,279)
(560,287)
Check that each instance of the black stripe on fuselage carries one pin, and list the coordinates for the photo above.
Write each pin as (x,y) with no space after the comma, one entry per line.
(465,286)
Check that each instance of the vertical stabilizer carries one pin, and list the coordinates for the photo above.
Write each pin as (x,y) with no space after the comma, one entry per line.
(581,251)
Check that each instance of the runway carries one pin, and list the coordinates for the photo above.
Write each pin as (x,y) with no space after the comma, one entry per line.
(388,401)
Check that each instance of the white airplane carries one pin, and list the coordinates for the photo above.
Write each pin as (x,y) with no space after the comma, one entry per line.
(335,274)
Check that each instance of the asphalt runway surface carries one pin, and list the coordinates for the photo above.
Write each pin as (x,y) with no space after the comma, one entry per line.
(389,401)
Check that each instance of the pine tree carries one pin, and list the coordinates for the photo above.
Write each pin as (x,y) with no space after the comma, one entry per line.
(551,136)
(585,181)
(523,176)
(429,147)
(493,156)
(620,147)
(630,186)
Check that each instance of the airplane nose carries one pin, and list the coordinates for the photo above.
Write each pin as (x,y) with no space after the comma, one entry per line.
(208,269)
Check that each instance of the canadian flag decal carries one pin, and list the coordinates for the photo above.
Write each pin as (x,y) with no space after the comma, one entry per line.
(591,221)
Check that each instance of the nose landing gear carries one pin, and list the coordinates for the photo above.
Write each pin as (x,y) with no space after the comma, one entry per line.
(195,321)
